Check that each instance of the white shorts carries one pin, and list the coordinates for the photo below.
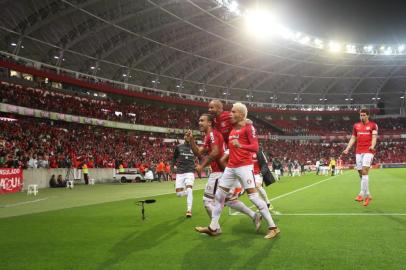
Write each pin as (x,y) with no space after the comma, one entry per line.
(212,182)
(233,177)
(258,180)
(363,160)
(278,172)
(184,179)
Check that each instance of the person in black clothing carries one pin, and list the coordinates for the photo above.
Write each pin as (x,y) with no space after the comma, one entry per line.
(184,160)
(55,183)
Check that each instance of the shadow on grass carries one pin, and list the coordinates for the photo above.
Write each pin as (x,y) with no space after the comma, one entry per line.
(138,241)
(227,251)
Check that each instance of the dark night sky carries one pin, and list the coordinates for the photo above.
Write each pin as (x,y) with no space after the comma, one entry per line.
(359,21)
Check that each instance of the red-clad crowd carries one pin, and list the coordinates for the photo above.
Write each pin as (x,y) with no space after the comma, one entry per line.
(388,151)
(33,143)
(53,101)
(334,125)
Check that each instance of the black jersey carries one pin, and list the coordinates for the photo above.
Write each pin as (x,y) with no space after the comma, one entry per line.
(184,159)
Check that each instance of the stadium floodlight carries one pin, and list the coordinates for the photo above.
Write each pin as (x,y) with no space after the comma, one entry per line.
(369,49)
(304,40)
(261,23)
(13,44)
(402,97)
(401,48)
(285,32)
(233,7)
(92,67)
(124,75)
(388,51)
(350,48)
(319,43)
(334,47)
(56,57)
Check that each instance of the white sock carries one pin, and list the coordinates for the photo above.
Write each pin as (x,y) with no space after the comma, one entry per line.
(181,193)
(208,205)
(189,199)
(263,209)
(219,200)
(361,193)
(241,207)
(365,180)
(263,194)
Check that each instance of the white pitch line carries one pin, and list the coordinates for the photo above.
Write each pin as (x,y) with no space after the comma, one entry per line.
(341,214)
(302,188)
(22,203)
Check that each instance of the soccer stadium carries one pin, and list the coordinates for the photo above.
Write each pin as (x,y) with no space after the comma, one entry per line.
(202,134)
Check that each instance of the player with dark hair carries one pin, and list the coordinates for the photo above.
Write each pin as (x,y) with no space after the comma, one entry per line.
(213,148)
(184,160)
(365,133)
(243,142)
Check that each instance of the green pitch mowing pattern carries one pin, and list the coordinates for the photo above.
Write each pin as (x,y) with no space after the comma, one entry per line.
(322,228)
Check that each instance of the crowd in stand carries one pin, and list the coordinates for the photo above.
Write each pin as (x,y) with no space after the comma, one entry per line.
(388,151)
(335,126)
(155,115)
(33,143)
(98,108)
(40,143)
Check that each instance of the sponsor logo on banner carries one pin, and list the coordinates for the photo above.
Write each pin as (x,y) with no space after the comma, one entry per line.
(11,180)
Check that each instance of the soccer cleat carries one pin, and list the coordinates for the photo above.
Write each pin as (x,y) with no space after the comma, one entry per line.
(272,233)
(188,214)
(367,200)
(270,206)
(208,231)
(359,198)
(257,221)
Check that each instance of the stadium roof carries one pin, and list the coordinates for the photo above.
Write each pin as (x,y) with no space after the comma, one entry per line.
(195,47)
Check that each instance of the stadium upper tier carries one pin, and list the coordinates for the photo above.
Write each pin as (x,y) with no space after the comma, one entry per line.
(195,47)
(184,117)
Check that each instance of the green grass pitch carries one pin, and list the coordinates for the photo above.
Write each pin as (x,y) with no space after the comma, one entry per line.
(100,227)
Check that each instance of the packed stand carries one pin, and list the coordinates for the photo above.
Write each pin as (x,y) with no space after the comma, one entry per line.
(98,108)
(33,143)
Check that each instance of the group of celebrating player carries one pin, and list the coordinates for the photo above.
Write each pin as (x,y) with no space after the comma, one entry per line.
(231,148)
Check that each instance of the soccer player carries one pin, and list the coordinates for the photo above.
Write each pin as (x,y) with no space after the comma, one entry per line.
(365,133)
(222,120)
(184,160)
(213,147)
(243,142)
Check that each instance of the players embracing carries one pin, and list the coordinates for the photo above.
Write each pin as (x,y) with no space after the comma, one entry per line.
(242,144)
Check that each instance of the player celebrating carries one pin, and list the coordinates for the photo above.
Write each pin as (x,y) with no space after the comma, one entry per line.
(242,143)
(222,120)
(184,159)
(365,133)
(214,148)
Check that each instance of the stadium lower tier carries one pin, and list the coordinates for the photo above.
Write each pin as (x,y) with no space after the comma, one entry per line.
(33,142)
